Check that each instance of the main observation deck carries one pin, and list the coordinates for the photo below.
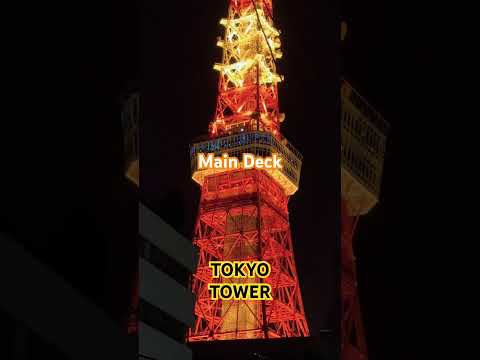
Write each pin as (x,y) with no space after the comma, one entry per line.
(364,135)
(259,143)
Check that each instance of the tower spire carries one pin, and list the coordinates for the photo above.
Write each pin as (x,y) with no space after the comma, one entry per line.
(247,88)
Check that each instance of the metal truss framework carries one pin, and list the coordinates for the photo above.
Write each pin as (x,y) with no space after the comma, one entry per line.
(353,342)
(243,215)
(247,88)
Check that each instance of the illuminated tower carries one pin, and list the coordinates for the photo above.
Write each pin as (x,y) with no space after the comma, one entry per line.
(364,134)
(243,214)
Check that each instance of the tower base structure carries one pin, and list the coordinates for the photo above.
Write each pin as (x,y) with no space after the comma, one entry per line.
(352,332)
(243,215)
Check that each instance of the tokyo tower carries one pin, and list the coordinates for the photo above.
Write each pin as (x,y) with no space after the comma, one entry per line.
(243,213)
(364,136)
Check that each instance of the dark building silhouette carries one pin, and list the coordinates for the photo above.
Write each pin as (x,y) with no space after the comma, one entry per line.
(70,253)
(166,303)
(161,305)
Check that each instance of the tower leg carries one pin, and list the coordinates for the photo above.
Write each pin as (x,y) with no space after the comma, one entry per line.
(243,216)
(353,345)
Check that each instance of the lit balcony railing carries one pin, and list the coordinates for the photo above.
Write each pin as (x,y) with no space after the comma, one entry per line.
(258,143)
(363,142)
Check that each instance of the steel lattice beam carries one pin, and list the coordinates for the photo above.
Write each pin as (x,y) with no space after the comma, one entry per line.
(246,230)
(353,342)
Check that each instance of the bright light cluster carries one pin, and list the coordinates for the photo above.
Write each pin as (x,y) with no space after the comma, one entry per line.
(248,96)
(249,43)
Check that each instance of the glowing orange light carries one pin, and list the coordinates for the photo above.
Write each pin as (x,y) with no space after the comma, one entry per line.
(248,71)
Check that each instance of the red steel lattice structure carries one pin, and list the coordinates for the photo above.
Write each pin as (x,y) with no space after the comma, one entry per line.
(247,88)
(364,134)
(354,346)
(243,214)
